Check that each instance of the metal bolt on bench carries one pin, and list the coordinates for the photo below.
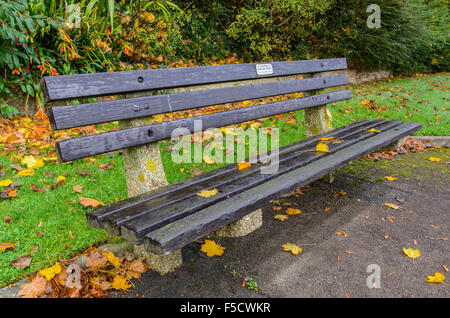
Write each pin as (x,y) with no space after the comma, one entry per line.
(160,219)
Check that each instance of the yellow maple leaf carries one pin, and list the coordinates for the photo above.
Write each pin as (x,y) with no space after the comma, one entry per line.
(322,148)
(411,253)
(280,217)
(208,160)
(436,278)
(390,178)
(32,162)
(434,159)
(51,272)
(5,183)
(373,130)
(212,249)
(244,165)
(292,211)
(120,283)
(208,193)
(112,259)
(294,249)
(392,206)
(25,173)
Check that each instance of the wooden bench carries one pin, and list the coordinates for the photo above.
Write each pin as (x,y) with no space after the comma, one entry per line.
(161,219)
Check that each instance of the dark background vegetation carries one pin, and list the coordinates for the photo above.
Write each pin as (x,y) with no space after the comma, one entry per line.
(38,38)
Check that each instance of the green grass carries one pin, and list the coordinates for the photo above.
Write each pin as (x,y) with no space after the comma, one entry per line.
(61,213)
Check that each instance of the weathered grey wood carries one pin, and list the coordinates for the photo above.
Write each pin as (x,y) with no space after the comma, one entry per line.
(97,84)
(77,148)
(63,117)
(96,218)
(184,231)
(151,216)
(111,217)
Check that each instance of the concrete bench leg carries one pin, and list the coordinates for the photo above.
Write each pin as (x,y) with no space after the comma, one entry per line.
(144,172)
(241,227)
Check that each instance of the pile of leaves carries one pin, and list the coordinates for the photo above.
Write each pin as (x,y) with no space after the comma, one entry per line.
(411,145)
(101,274)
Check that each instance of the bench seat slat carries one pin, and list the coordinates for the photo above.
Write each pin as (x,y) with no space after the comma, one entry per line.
(77,148)
(63,117)
(186,230)
(97,217)
(134,229)
(114,218)
(111,83)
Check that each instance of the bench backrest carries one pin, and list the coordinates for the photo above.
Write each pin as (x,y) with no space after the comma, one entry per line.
(117,83)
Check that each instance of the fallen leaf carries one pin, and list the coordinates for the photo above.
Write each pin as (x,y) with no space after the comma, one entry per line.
(292,211)
(392,206)
(25,173)
(37,287)
(342,233)
(208,160)
(32,163)
(51,272)
(326,139)
(90,202)
(5,183)
(281,217)
(208,193)
(390,178)
(112,258)
(436,278)
(36,188)
(243,165)
(120,283)
(78,188)
(95,260)
(22,262)
(411,253)
(434,159)
(349,252)
(373,130)
(6,219)
(5,247)
(106,166)
(212,249)
(322,148)
(137,267)
(294,249)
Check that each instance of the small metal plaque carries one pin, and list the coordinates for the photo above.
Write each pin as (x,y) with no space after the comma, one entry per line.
(264,69)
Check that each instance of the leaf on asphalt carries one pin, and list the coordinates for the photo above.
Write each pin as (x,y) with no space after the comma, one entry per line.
(90,202)
(37,287)
(294,249)
(25,173)
(436,278)
(78,188)
(322,148)
(244,165)
(390,178)
(51,272)
(411,253)
(392,206)
(212,249)
(208,193)
(22,262)
(281,217)
(120,283)
(137,267)
(112,258)
(434,159)
(292,211)
(5,183)
(342,233)
(5,247)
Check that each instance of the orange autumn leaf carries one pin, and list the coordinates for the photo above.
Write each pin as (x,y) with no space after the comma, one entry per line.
(90,202)
(211,248)
(392,206)
(5,247)
(120,283)
(244,165)
(112,258)
(292,211)
(294,249)
(37,287)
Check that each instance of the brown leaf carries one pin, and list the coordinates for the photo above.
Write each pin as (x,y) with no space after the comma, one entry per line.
(36,188)
(95,260)
(106,166)
(37,287)
(7,219)
(90,202)
(22,262)
(78,188)
(137,267)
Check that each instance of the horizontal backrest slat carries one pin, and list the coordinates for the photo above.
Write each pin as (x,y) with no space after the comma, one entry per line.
(63,117)
(77,148)
(111,83)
